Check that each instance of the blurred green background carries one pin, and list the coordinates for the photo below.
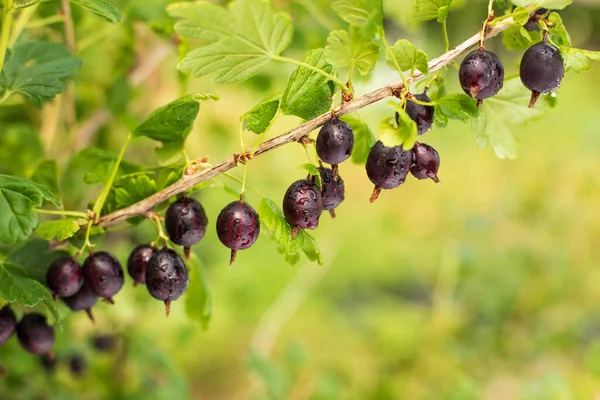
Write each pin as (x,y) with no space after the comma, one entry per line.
(484,286)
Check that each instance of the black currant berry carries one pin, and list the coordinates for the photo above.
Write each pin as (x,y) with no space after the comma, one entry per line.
(166,276)
(186,222)
(64,277)
(387,167)
(481,74)
(35,335)
(137,262)
(335,142)
(77,365)
(104,273)
(238,227)
(48,362)
(302,205)
(422,115)
(83,300)
(426,162)
(104,343)
(542,69)
(532,24)
(8,324)
(332,190)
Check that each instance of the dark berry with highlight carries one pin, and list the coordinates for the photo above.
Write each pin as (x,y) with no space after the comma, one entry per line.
(35,335)
(186,221)
(64,277)
(166,276)
(8,323)
(238,226)
(481,74)
(422,115)
(387,167)
(542,69)
(303,204)
(137,262)
(335,141)
(104,273)
(83,300)
(426,162)
(332,190)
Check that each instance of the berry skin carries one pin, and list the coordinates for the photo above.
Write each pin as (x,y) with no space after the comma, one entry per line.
(481,74)
(104,343)
(104,273)
(83,300)
(332,190)
(238,227)
(35,335)
(426,162)
(77,365)
(8,324)
(542,69)
(532,24)
(137,262)
(387,167)
(64,277)
(422,115)
(335,141)
(302,205)
(186,222)
(166,276)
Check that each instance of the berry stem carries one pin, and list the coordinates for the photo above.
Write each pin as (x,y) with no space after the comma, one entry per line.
(375,194)
(5,34)
(77,214)
(86,243)
(244,182)
(313,68)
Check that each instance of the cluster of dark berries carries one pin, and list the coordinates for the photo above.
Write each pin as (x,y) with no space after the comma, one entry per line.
(304,201)
(481,73)
(33,332)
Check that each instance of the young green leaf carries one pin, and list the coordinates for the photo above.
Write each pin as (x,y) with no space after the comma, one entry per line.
(502,112)
(38,70)
(18,198)
(102,9)
(426,10)
(558,33)
(46,174)
(308,93)
(171,124)
(578,60)
(520,15)
(517,38)
(363,13)
(350,49)
(238,42)
(314,172)
(259,118)
(128,190)
(455,106)
(273,220)
(363,139)
(404,134)
(406,56)
(198,301)
(15,285)
(551,4)
(59,229)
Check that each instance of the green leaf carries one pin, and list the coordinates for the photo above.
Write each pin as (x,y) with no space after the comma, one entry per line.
(406,56)
(102,9)
(238,42)
(128,190)
(578,60)
(363,13)
(363,139)
(259,118)
(198,301)
(455,106)
(60,229)
(46,174)
(551,4)
(272,219)
(516,37)
(558,33)
(404,134)
(520,15)
(426,10)
(350,49)
(499,114)
(38,70)
(309,93)
(35,257)
(97,165)
(171,124)
(18,198)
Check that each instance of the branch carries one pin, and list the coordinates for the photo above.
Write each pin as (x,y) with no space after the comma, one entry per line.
(295,134)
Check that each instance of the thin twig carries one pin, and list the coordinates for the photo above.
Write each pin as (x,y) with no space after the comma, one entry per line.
(295,134)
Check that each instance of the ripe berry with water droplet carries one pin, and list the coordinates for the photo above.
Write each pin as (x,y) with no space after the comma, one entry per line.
(542,69)
(64,277)
(166,276)
(335,142)
(104,273)
(422,115)
(481,74)
(332,190)
(137,262)
(83,300)
(387,167)
(302,205)
(426,162)
(185,222)
(238,227)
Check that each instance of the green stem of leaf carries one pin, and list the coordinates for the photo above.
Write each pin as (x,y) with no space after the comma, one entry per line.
(445,32)
(38,23)
(76,214)
(86,242)
(104,194)
(21,22)
(313,68)
(388,49)
(244,181)
(159,229)
(423,103)
(5,34)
